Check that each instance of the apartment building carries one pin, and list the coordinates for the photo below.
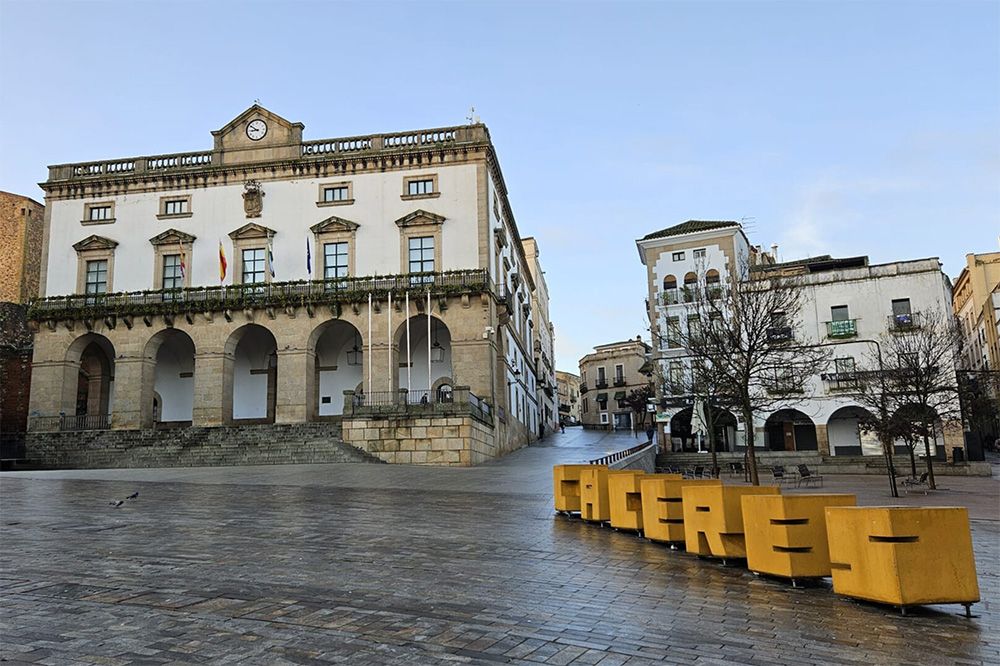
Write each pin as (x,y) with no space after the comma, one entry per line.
(607,377)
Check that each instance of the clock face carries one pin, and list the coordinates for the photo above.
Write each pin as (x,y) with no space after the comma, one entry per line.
(256,129)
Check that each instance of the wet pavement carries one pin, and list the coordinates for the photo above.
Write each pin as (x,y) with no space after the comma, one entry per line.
(379,564)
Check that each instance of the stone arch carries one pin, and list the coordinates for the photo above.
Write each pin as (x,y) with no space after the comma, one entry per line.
(845,432)
(88,383)
(440,354)
(168,373)
(250,369)
(681,437)
(790,430)
(336,362)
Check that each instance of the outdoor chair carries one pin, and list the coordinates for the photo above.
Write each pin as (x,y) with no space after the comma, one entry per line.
(912,482)
(779,476)
(736,470)
(807,477)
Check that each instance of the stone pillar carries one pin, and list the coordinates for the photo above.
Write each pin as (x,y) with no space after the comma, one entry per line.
(126,409)
(470,365)
(212,388)
(822,440)
(293,378)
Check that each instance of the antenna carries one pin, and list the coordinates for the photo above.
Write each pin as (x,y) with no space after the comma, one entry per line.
(256,102)
(472,115)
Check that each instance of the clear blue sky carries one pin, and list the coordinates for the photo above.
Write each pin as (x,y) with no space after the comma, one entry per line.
(838,127)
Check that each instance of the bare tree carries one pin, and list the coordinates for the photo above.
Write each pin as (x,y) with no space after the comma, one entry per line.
(748,346)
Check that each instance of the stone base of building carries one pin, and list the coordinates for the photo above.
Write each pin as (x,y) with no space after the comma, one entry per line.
(453,440)
(191,447)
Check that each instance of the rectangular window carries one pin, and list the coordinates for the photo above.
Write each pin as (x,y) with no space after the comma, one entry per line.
(421,259)
(172,278)
(253,266)
(699,254)
(97,277)
(839,313)
(619,372)
(601,375)
(175,206)
(844,366)
(337,193)
(335,260)
(604,418)
(694,326)
(97,213)
(676,377)
(674,332)
(901,306)
(678,256)
(586,405)
(779,320)
(418,187)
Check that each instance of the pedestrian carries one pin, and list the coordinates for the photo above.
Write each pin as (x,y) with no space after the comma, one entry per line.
(562,427)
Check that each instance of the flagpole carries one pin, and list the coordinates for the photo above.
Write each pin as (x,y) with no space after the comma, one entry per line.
(369,357)
(429,382)
(389,338)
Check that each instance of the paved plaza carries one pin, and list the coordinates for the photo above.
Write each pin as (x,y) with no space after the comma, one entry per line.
(380,564)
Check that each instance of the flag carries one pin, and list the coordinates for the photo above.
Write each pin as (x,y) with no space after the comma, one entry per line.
(222,263)
(309,259)
(270,256)
(183,258)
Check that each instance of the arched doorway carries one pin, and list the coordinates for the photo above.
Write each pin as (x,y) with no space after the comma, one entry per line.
(681,438)
(252,367)
(413,365)
(337,365)
(846,435)
(169,397)
(90,382)
(789,430)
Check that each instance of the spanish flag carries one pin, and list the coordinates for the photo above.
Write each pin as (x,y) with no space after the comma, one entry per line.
(222,263)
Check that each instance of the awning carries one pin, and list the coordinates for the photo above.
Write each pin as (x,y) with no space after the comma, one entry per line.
(619,395)
(602,397)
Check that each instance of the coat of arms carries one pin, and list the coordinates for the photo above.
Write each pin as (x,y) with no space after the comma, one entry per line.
(253,198)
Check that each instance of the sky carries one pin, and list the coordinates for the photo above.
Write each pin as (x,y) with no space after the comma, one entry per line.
(828,127)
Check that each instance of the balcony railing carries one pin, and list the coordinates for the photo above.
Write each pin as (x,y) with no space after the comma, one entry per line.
(620,381)
(583,388)
(601,384)
(457,401)
(85,422)
(906,321)
(252,296)
(845,328)
(842,381)
(779,334)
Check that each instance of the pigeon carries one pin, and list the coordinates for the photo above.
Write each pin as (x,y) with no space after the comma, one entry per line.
(133,495)
(116,503)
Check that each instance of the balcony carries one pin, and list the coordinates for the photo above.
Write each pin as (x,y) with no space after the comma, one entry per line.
(845,328)
(670,297)
(842,381)
(273,295)
(85,422)
(904,321)
(583,388)
(779,334)
(619,381)
(459,401)
(601,384)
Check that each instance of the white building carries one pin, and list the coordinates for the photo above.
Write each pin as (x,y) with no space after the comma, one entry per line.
(544,344)
(849,305)
(371,264)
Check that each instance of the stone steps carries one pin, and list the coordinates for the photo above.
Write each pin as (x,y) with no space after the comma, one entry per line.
(193,447)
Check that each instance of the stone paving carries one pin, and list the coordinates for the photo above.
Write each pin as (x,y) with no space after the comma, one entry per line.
(377,564)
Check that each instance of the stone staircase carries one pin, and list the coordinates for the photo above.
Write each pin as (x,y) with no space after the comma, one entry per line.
(817,463)
(192,446)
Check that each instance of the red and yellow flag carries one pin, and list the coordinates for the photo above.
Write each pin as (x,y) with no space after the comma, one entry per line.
(222,262)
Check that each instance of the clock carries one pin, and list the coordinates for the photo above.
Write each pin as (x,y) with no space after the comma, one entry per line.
(256,129)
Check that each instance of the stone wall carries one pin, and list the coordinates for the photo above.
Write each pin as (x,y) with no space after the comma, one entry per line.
(192,446)
(21,221)
(452,440)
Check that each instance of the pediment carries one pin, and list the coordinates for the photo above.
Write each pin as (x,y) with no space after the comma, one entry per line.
(172,237)
(419,217)
(252,230)
(333,223)
(257,111)
(95,242)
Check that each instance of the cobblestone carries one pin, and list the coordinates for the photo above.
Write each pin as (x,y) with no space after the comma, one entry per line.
(375,564)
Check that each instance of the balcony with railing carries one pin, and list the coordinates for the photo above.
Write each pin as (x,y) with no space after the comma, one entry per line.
(85,422)
(842,381)
(456,401)
(601,384)
(844,328)
(779,334)
(904,321)
(619,381)
(275,295)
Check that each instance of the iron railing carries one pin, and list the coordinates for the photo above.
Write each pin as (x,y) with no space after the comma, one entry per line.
(845,328)
(619,455)
(301,293)
(779,333)
(85,422)
(905,321)
(443,401)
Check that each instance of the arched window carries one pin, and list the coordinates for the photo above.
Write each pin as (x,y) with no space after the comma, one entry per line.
(712,277)
(669,290)
(690,287)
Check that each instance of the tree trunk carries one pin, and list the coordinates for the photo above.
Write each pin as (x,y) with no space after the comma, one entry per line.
(751,458)
(913,459)
(887,451)
(930,464)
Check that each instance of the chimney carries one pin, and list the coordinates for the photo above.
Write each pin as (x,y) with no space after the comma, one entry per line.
(774,252)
